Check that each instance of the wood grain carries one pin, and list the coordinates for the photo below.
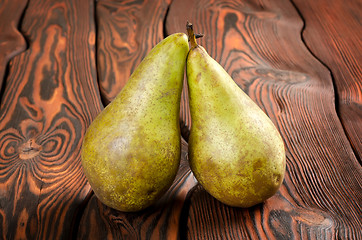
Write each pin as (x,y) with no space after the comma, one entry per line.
(50,98)
(127,31)
(161,221)
(325,22)
(298,60)
(259,43)
(12,41)
(276,218)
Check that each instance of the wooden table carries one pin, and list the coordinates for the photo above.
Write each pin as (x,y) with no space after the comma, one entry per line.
(62,61)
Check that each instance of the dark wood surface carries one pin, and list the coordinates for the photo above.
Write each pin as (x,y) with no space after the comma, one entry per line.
(62,61)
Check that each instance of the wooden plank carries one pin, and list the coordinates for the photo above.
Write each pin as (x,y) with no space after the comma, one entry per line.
(259,43)
(51,97)
(161,221)
(127,31)
(12,41)
(333,32)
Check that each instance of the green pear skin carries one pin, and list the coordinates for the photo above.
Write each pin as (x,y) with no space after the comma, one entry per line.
(131,151)
(235,151)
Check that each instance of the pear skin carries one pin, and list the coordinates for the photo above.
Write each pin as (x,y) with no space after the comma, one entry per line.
(235,151)
(131,151)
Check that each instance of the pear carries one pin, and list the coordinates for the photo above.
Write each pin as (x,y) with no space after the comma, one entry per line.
(235,151)
(131,151)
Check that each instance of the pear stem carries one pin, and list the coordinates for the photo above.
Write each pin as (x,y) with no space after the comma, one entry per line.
(192,36)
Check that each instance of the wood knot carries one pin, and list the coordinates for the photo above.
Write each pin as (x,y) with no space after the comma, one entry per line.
(29,149)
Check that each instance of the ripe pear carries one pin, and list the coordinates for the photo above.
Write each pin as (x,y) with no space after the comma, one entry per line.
(131,151)
(235,151)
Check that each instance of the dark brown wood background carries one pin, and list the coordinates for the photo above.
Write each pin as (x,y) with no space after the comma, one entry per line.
(62,61)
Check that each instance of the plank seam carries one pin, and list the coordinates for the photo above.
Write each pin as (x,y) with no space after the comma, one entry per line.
(6,71)
(335,92)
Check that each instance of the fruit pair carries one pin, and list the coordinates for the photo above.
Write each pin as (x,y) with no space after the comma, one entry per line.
(131,151)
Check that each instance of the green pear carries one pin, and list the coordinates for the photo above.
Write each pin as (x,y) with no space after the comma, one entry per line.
(235,151)
(131,151)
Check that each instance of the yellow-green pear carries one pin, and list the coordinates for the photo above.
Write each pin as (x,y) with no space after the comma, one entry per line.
(131,151)
(235,151)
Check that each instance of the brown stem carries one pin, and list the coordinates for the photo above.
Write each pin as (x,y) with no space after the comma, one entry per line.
(192,36)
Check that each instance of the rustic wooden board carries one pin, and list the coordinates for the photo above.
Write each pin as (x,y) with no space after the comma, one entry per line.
(51,97)
(333,33)
(260,45)
(298,60)
(12,41)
